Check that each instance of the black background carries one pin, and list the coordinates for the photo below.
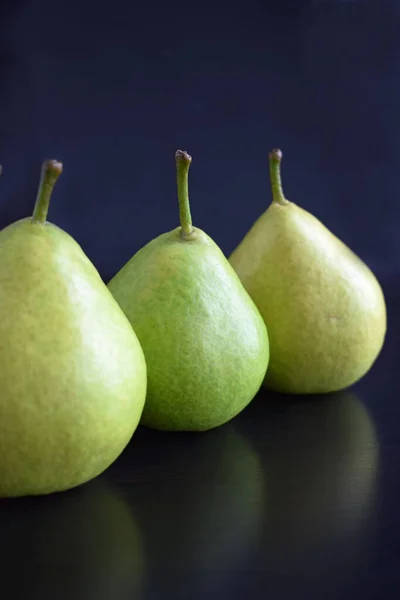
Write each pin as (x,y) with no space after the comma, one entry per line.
(293,499)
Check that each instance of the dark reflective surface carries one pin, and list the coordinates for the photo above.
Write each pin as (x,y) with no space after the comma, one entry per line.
(83,544)
(296,498)
(321,462)
(202,505)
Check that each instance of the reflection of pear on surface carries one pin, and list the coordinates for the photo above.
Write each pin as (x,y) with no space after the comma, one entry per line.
(79,545)
(320,459)
(205,501)
(323,307)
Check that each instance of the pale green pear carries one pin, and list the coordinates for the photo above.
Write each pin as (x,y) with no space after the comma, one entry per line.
(205,342)
(72,371)
(323,307)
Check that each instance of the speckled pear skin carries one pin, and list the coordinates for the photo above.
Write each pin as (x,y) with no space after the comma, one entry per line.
(324,309)
(205,343)
(72,372)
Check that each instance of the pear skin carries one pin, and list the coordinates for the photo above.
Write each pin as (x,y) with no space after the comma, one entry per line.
(72,372)
(205,342)
(323,307)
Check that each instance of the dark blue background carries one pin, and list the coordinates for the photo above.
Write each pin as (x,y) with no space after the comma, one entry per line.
(114,88)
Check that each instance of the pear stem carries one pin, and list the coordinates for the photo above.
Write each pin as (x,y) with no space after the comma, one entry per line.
(275,158)
(183,161)
(51,170)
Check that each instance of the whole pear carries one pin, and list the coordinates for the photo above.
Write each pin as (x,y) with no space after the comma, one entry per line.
(323,307)
(72,372)
(205,342)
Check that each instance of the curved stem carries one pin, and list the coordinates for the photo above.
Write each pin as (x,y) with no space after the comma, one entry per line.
(275,158)
(183,161)
(51,170)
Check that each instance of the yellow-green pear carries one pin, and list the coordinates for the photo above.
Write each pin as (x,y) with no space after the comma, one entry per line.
(205,342)
(323,307)
(72,371)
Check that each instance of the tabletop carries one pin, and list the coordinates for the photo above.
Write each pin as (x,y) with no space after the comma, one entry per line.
(296,497)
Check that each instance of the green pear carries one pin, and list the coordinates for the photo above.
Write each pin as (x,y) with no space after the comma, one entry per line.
(205,343)
(72,371)
(323,307)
